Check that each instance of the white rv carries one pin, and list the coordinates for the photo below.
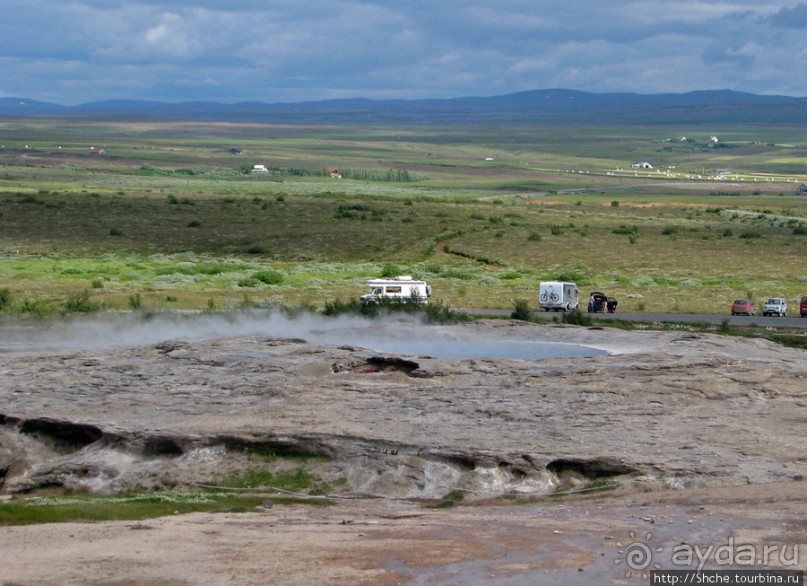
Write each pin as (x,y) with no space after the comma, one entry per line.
(404,288)
(557,296)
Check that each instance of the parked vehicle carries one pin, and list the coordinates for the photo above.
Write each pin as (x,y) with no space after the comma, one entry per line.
(743,307)
(803,306)
(404,288)
(557,296)
(775,306)
(597,302)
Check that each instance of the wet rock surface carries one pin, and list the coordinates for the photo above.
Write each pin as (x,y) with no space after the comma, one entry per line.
(676,409)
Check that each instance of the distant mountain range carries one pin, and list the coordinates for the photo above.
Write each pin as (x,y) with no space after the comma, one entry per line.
(546,107)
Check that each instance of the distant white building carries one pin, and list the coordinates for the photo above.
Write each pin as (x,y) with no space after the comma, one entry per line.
(259,169)
(642,165)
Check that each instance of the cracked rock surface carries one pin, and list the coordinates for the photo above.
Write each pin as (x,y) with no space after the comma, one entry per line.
(676,408)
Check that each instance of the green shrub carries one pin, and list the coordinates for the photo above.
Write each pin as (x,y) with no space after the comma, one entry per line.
(338,307)
(5,298)
(270,277)
(577,317)
(627,230)
(521,310)
(135,301)
(35,307)
(80,303)
(390,271)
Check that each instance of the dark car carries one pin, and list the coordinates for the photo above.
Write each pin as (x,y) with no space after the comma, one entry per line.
(743,307)
(597,302)
(803,306)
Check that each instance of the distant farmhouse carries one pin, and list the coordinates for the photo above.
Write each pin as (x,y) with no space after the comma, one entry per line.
(97,151)
(802,188)
(259,169)
(642,165)
(236,151)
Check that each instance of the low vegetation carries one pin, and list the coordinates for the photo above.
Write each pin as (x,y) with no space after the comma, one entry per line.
(26,510)
(168,219)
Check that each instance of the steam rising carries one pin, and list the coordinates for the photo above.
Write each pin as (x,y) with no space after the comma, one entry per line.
(404,334)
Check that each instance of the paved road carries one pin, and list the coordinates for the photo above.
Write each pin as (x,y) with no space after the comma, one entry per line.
(737,320)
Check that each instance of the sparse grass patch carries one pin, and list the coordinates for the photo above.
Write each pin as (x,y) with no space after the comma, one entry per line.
(89,508)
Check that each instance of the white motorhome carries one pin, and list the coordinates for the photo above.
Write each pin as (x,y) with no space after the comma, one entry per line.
(558,296)
(404,288)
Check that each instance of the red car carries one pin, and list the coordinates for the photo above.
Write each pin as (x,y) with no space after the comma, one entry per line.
(803,306)
(743,307)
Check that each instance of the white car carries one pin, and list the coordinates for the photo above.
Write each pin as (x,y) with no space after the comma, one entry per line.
(775,306)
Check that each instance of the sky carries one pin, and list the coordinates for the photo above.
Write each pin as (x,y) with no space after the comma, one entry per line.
(77,51)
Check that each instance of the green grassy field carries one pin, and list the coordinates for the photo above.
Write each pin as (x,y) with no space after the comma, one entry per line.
(167,218)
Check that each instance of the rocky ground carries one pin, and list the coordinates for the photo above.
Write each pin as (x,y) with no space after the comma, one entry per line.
(702,437)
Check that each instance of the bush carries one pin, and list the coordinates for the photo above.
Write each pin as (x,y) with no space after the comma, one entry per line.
(270,277)
(135,301)
(521,310)
(248,282)
(5,298)
(390,271)
(627,230)
(80,303)
(577,318)
(435,312)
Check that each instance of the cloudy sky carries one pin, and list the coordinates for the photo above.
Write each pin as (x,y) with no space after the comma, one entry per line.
(76,51)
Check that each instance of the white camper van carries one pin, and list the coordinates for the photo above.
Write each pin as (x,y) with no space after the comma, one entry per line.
(403,288)
(558,296)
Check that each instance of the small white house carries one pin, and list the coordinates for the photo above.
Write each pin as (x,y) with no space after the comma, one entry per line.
(259,169)
(642,165)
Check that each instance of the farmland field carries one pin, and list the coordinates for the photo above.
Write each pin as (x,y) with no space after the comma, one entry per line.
(167,217)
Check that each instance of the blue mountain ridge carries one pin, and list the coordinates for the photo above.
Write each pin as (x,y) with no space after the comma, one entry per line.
(549,106)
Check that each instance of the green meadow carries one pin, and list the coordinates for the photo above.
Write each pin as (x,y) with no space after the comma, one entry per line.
(168,218)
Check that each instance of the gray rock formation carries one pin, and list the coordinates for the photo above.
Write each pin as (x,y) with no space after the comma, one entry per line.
(677,408)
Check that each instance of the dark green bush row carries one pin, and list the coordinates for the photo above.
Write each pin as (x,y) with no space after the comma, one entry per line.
(434,312)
